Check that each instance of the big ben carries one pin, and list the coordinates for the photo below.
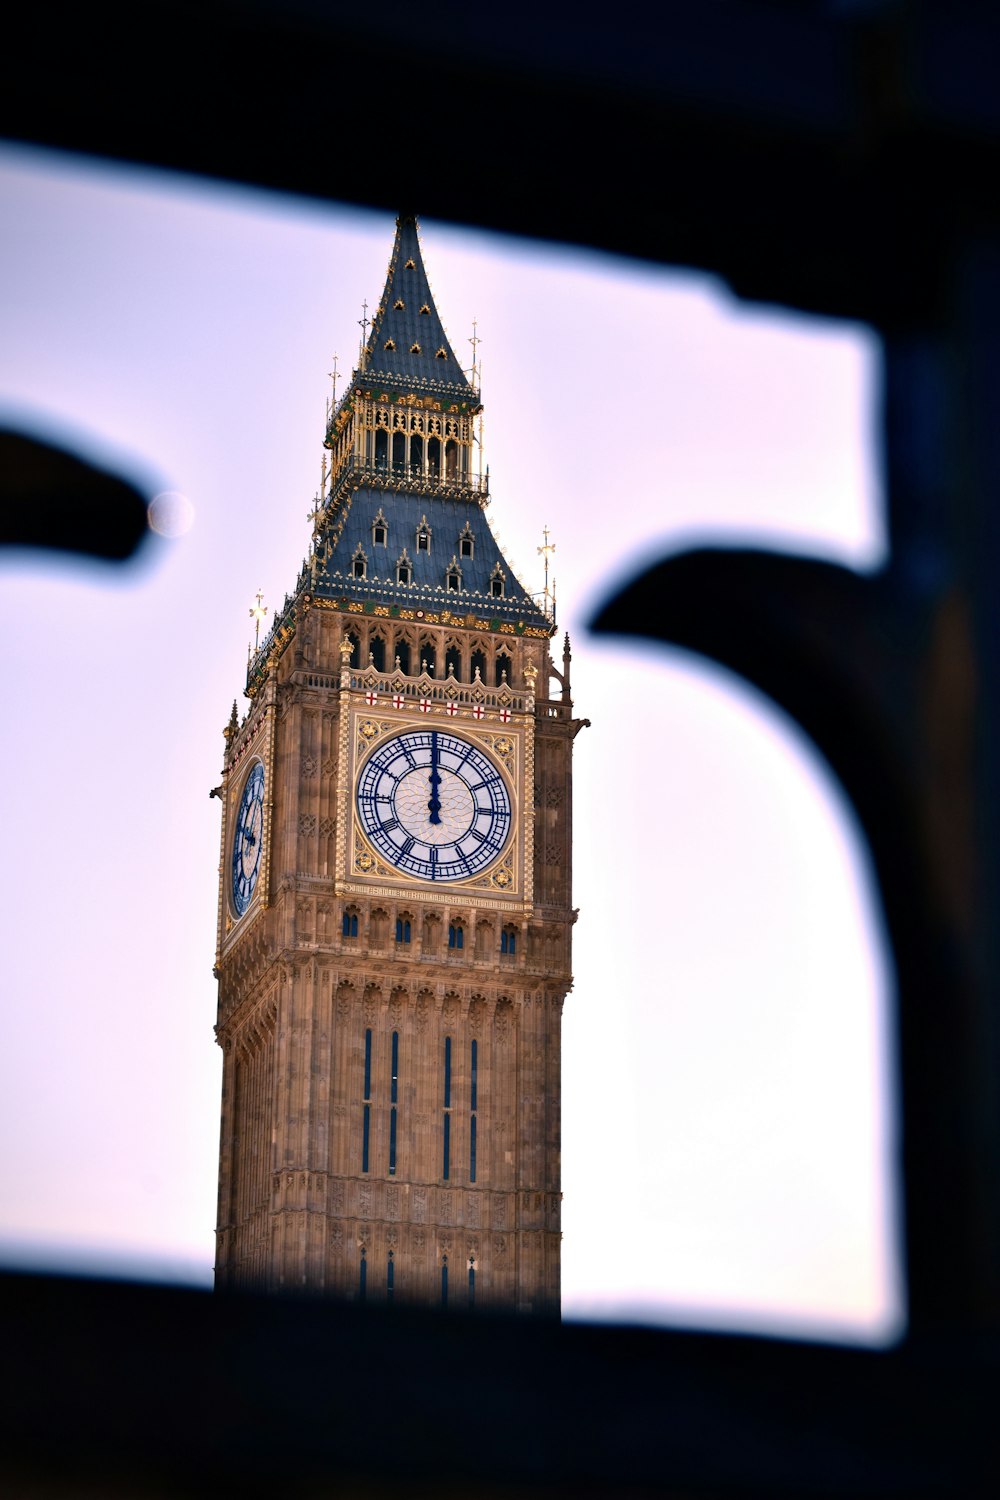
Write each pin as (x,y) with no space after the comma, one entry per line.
(395,909)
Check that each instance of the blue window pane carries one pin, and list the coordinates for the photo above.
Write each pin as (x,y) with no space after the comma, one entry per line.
(366,1137)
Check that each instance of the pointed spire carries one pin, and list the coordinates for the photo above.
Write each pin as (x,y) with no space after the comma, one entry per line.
(408,347)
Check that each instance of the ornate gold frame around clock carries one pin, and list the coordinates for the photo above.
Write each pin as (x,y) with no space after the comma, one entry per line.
(506,884)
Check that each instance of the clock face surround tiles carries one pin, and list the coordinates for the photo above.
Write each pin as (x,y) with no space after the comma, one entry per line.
(434,806)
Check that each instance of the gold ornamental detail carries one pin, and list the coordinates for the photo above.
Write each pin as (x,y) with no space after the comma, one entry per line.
(366,863)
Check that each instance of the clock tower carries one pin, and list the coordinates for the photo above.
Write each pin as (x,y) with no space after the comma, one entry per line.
(395,908)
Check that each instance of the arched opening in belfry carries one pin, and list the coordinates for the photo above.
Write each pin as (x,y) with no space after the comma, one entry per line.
(428,656)
(434,456)
(451,458)
(503,665)
(477,663)
(376,647)
(403,655)
(354,657)
(381,449)
(452,660)
(398,450)
(416,452)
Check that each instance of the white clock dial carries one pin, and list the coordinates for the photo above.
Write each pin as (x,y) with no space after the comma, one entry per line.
(434,805)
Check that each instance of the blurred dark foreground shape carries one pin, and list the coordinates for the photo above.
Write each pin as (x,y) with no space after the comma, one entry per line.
(833,158)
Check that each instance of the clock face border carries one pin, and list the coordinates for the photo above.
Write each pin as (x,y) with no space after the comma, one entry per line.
(250,801)
(434,804)
(505,881)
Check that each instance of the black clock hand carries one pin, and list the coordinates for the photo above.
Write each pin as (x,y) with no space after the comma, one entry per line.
(434,805)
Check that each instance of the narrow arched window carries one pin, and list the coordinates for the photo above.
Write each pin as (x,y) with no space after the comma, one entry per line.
(452,662)
(423,541)
(454,580)
(393,1101)
(349,926)
(477,663)
(508,941)
(359,563)
(402,929)
(376,653)
(496,588)
(403,573)
(456,935)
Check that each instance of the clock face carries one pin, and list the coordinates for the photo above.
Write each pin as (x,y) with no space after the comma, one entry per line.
(247,840)
(434,806)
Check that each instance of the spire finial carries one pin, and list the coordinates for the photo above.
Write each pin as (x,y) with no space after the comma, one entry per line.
(475,341)
(363,322)
(544,552)
(258,612)
(334,374)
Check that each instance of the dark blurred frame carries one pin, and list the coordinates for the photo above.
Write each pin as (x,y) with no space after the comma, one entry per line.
(839,159)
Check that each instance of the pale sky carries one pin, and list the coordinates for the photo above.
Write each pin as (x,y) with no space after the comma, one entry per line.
(729,1115)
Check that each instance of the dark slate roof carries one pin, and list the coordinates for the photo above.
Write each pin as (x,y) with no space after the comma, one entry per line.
(406,327)
(404,514)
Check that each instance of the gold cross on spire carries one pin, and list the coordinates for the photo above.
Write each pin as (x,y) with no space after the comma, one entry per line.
(363,322)
(545,552)
(258,612)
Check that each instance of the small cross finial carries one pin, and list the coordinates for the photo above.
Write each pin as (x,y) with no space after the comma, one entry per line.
(545,551)
(334,373)
(363,322)
(475,341)
(258,612)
